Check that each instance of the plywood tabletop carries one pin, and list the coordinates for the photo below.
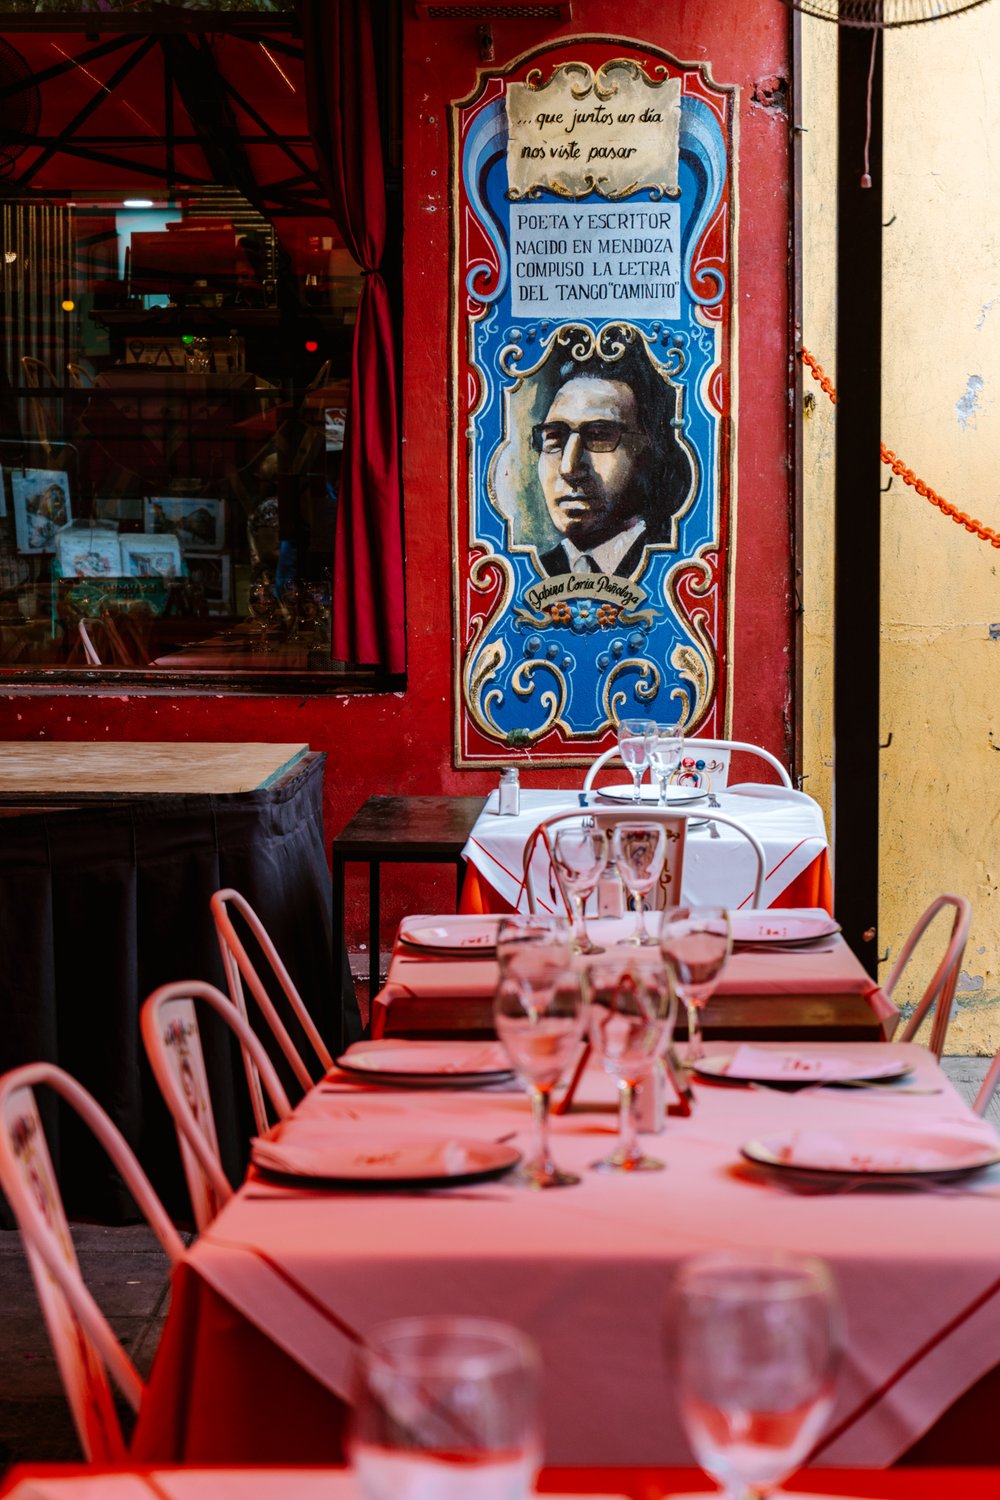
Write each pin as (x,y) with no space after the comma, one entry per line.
(74,767)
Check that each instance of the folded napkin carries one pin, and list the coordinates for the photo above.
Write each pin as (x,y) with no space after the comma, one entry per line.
(788,1067)
(310,1148)
(891,1151)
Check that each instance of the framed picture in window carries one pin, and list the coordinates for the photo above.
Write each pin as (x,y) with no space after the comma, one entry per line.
(89,552)
(145,556)
(41,507)
(196,523)
(210,572)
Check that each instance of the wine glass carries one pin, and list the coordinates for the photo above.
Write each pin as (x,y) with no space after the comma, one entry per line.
(665,754)
(445,1408)
(634,739)
(540,1025)
(533,949)
(638,850)
(695,942)
(632,1012)
(263,604)
(580,856)
(753,1337)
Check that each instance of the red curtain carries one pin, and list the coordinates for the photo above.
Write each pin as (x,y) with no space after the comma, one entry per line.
(368,604)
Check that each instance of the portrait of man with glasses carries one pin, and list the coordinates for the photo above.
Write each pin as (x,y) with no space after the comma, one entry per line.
(612,468)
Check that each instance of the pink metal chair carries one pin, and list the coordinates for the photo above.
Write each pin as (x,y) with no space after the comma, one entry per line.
(239,970)
(173,1045)
(86,1349)
(944,980)
(987,1088)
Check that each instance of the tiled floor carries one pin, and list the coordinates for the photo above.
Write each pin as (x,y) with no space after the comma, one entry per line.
(127,1273)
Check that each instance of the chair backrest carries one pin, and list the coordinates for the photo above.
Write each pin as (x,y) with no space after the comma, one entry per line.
(79,377)
(89,649)
(37,373)
(944,980)
(38,376)
(538,862)
(239,970)
(173,1045)
(704,763)
(987,1088)
(85,1346)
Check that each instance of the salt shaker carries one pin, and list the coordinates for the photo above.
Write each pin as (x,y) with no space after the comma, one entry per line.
(510,793)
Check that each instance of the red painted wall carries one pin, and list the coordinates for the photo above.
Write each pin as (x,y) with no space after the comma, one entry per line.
(402,742)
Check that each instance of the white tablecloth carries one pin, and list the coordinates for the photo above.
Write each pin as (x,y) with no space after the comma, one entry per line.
(717,871)
(585,1270)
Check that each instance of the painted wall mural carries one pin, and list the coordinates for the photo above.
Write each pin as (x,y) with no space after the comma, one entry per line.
(593,204)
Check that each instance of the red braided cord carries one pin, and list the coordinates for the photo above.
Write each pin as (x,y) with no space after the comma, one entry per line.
(985,533)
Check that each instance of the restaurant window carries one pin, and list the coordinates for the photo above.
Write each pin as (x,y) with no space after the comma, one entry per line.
(178,318)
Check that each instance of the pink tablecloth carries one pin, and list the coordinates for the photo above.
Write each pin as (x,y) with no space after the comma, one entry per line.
(145,1482)
(586,1270)
(828,970)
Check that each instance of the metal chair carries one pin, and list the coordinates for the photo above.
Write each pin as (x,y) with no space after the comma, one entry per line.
(239,970)
(675,820)
(39,377)
(173,1045)
(80,378)
(944,980)
(86,1349)
(717,754)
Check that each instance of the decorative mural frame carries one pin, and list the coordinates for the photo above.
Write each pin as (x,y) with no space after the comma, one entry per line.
(593,349)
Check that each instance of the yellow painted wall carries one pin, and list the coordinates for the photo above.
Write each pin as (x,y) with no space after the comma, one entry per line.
(940,796)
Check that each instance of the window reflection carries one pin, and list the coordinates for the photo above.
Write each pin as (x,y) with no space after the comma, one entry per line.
(171,434)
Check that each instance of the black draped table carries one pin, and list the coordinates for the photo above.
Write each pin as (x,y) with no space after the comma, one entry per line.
(103,900)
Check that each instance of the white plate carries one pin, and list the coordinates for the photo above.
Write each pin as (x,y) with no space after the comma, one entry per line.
(427,1064)
(390,1160)
(781,927)
(872,1153)
(796,1066)
(453,935)
(677,796)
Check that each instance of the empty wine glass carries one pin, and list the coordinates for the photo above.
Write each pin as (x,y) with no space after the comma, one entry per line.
(638,850)
(695,942)
(263,604)
(634,739)
(753,1338)
(631,1021)
(665,754)
(540,1023)
(445,1408)
(580,856)
(533,949)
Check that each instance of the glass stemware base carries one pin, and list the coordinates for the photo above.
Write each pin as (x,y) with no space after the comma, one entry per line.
(622,1161)
(542,1173)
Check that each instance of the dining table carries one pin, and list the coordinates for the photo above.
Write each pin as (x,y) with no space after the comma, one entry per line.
(245,1482)
(719,864)
(888,1176)
(443,974)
